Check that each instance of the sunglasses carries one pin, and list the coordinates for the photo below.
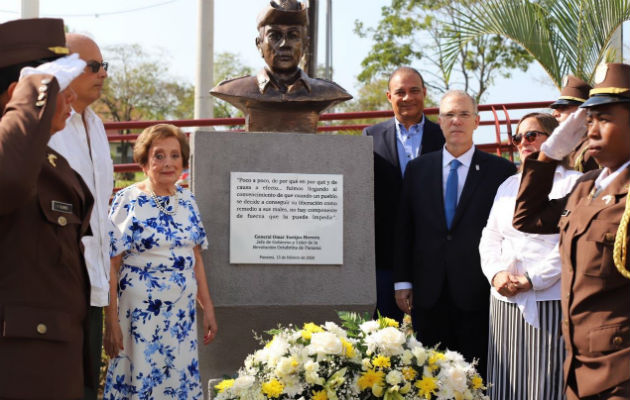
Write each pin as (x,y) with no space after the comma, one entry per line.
(95,66)
(530,136)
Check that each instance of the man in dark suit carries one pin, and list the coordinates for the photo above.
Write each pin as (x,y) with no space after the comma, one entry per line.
(445,201)
(396,142)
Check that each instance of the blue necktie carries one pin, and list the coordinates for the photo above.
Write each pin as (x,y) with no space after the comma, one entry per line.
(450,198)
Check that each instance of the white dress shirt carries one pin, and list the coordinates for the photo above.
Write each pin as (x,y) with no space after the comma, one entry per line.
(503,248)
(462,172)
(94,163)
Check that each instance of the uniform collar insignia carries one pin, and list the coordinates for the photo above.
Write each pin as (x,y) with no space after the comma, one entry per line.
(52,159)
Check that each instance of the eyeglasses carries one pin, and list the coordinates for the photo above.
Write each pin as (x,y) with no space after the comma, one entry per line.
(462,115)
(95,66)
(530,136)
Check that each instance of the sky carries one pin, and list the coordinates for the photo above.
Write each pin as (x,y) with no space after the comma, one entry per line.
(169,28)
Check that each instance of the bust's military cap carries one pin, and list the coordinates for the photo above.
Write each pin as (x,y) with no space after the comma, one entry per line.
(574,92)
(25,40)
(612,85)
(283,12)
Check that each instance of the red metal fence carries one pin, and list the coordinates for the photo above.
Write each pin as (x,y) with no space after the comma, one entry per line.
(500,118)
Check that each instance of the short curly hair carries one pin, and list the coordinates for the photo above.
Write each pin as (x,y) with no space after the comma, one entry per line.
(155,132)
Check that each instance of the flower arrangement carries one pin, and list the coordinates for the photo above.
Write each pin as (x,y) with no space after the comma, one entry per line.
(363,359)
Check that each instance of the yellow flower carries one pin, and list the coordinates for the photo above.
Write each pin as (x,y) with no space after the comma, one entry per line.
(272,389)
(270,342)
(320,395)
(409,373)
(306,335)
(369,378)
(224,384)
(477,382)
(311,327)
(434,358)
(348,350)
(390,322)
(381,361)
(427,386)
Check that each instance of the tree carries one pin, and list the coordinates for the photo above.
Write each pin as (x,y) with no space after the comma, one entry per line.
(227,65)
(414,30)
(140,87)
(563,36)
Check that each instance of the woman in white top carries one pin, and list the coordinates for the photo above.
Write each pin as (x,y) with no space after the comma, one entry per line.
(525,349)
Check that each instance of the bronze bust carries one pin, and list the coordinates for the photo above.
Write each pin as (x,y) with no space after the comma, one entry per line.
(281,97)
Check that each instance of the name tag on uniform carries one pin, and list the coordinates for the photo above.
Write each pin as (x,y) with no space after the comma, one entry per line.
(565,213)
(61,207)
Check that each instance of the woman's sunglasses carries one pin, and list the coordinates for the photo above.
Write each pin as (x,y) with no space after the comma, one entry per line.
(530,136)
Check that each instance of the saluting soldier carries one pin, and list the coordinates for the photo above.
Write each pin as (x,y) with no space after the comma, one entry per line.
(44,211)
(573,94)
(592,220)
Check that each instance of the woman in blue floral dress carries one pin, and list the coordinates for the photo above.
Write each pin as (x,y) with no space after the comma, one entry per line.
(157,275)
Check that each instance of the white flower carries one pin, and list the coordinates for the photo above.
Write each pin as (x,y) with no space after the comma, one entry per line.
(286,366)
(369,326)
(406,357)
(311,373)
(292,385)
(325,343)
(454,377)
(243,382)
(412,342)
(420,354)
(334,328)
(394,377)
(388,341)
(454,357)
(365,364)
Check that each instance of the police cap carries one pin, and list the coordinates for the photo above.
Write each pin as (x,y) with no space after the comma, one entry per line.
(612,85)
(574,92)
(26,40)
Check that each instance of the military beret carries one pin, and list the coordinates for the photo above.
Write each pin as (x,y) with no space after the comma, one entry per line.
(574,92)
(25,40)
(283,12)
(612,85)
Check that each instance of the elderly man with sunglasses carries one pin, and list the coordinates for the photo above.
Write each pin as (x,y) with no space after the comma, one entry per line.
(84,144)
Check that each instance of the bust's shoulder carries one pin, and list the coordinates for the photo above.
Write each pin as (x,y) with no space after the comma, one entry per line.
(326,88)
(238,85)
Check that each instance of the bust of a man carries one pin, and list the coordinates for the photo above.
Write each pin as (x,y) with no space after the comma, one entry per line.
(281,97)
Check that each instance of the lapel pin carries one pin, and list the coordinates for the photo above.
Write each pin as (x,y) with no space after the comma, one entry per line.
(477,167)
(607,199)
(52,160)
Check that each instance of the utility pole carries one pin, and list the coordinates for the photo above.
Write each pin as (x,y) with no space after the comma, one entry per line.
(313,25)
(329,41)
(30,9)
(205,60)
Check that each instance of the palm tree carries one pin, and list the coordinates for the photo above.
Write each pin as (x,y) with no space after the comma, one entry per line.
(564,36)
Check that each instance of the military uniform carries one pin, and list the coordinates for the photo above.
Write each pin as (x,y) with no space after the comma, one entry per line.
(44,287)
(595,294)
(574,93)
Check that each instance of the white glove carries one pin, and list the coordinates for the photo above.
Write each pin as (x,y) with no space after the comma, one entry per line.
(65,69)
(566,136)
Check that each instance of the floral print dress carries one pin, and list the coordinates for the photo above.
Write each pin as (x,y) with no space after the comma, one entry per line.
(156,297)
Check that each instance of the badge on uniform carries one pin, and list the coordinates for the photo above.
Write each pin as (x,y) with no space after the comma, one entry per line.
(607,199)
(61,207)
(565,213)
(52,159)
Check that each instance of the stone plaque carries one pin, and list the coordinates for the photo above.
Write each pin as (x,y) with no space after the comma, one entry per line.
(280,218)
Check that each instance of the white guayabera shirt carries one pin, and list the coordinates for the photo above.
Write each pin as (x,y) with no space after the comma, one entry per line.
(502,247)
(94,163)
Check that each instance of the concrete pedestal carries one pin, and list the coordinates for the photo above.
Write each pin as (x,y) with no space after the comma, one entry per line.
(258,297)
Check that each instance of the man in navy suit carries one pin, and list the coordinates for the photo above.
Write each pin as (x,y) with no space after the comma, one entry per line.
(445,201)
(396,142)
